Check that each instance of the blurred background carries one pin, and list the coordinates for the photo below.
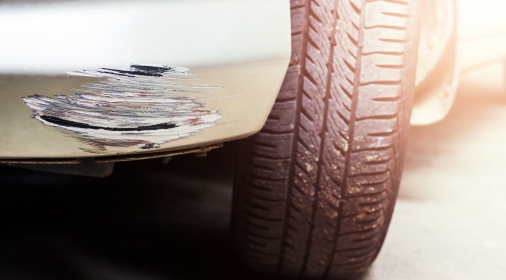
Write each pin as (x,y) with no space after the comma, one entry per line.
(150,220)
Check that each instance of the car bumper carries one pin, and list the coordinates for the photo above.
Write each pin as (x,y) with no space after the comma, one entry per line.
(53,58)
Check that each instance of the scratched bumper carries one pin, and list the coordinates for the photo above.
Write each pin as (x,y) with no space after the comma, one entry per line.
(106,78)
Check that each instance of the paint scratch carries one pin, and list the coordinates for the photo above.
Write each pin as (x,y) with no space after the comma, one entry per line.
(142,107)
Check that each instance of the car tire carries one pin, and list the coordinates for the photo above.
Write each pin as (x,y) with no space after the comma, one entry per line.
(315,189)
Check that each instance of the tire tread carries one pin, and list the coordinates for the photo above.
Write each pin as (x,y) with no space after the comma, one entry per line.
(324,171)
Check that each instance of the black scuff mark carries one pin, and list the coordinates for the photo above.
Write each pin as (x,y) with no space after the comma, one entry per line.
(150,146)
(142,70)
(67,123)
(142,107)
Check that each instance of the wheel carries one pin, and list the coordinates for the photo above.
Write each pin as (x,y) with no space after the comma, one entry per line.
(315,189)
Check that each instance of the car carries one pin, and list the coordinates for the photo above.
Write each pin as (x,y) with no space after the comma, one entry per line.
(321,92)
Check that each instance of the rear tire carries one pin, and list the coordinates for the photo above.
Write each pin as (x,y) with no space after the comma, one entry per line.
(315,189)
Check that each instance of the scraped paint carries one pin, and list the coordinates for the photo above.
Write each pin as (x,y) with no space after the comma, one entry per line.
(141,107)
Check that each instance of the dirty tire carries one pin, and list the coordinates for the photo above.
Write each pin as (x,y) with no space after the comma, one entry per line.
(315,188)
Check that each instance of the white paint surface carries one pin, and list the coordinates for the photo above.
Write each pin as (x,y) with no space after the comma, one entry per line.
(49,38)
